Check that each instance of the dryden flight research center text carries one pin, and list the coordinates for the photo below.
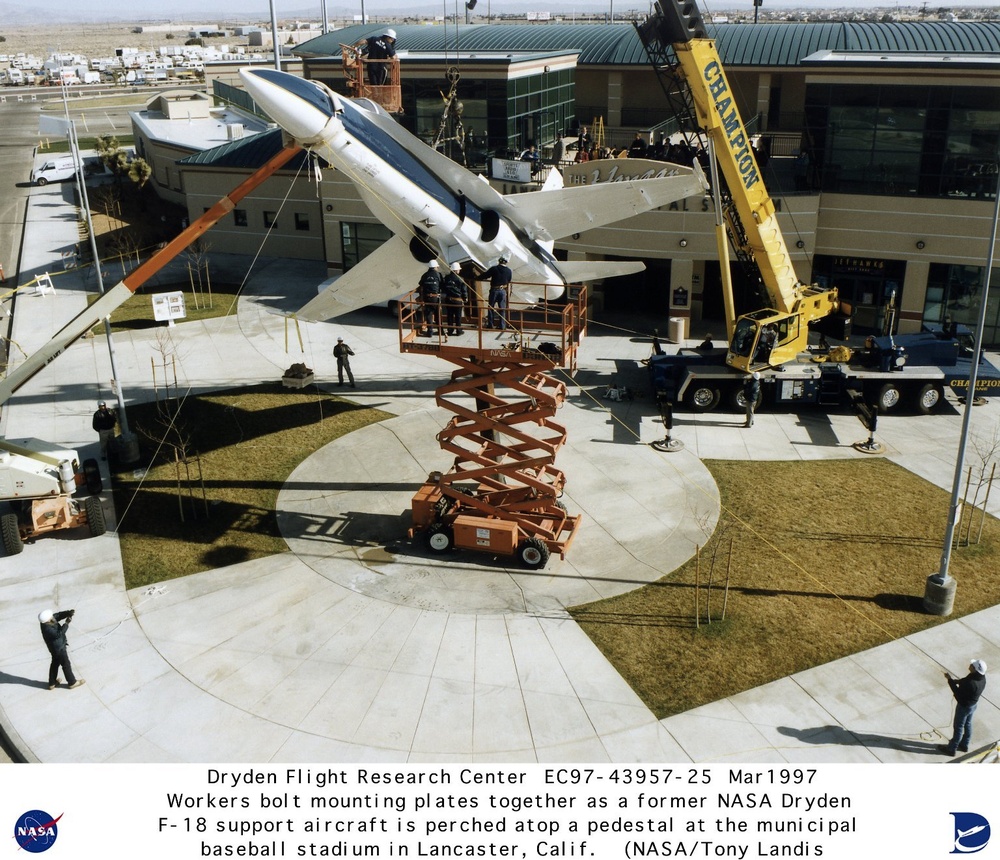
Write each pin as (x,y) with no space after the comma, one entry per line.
(531,811)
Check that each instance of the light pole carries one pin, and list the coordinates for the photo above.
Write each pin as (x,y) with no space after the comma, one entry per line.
(128,444)
(939,592)
(274,37)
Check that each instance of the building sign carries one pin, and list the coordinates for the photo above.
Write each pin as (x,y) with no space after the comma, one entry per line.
(511,171)
(680,299)
(168,307)
(858,266)
(620,170)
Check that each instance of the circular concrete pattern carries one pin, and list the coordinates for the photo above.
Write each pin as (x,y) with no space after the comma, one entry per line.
(642,514)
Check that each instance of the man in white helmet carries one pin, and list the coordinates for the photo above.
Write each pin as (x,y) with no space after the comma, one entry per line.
(967,692)
(751,395)
(54,625)
(430,295)
(380,49)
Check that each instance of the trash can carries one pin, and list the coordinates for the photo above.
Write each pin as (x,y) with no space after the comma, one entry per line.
(676,329)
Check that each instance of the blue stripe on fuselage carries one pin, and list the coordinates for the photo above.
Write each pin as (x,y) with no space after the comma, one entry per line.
(394,153)
(305,90)
(399,157)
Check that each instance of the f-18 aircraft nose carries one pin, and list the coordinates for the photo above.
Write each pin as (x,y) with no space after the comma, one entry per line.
(302,108)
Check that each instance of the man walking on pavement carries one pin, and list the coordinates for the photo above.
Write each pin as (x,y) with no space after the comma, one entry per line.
(54,625)
(751,394)
(342,352)
(104,423)
(500,277)
(967,692)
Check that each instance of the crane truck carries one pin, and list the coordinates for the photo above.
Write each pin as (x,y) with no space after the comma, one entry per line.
(773,340)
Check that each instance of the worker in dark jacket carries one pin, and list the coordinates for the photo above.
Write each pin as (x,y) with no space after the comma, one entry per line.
(455,293)
(967,692)
(54,626)
(104,423)
(380,48)
(500,277)
(342,352)
(751,394)
(430,295)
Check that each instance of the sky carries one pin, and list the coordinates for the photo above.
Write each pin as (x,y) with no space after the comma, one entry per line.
(155,9)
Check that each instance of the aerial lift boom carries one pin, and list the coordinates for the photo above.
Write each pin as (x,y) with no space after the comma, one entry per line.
(38,480)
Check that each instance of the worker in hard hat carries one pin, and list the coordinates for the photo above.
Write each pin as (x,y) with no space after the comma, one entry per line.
(455,294)
(500,277)
(751,394)
(430,296)
(104,422)
(54,625)
(379,49)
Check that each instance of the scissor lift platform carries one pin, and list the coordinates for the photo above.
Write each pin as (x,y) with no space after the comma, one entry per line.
(501,494)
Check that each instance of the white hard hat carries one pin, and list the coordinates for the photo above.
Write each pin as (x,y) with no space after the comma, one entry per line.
(433,264)
(756,374)
(340,340)
(456,267)
(979,666)
(389,34)
(45,616)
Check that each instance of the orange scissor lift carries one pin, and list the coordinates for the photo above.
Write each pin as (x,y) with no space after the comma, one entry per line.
(501,494)
(356,64)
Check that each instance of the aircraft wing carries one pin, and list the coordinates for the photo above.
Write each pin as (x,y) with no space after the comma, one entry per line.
(384,274)
(583,271)
(551,215)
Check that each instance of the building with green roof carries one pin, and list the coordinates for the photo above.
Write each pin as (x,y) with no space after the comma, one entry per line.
(882,142)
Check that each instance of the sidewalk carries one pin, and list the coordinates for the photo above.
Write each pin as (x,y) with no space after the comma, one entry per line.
(346,649)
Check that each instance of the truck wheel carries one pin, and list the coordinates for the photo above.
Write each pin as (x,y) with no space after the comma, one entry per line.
(703,398)
(439,538)
(92,472)
(888,397)
(12,542)
(41,181)
(929,398)
(533,553)
(95,516)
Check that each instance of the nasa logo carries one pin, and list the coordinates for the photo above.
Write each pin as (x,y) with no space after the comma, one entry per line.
(36,831)
(972,832)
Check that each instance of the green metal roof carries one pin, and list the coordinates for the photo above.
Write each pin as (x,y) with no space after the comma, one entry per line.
(249,153)
(768,44)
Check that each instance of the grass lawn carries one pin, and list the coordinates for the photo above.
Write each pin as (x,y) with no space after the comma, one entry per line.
(828,559)
(137,312)
(250,439)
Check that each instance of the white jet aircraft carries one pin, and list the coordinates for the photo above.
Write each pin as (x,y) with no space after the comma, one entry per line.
(437,209)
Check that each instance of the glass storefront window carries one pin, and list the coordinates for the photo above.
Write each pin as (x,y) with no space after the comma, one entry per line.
(894,140)
(954,293)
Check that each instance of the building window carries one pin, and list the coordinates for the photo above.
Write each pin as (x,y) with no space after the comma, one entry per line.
(301,221)
(240,217)
(357,241)
(900,140)
(271,220)
(954,293)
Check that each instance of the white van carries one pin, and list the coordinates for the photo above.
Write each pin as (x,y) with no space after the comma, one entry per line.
(54,170)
